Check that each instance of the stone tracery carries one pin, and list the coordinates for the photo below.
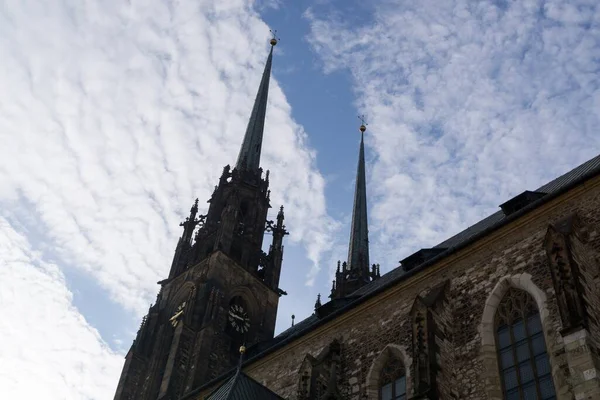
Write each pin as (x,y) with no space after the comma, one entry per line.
(523,360)
(391,361)
(487,330)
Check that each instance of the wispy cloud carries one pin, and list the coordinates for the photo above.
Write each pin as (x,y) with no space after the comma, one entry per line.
(118,115)
(469,102)
(48,350)
(114,116)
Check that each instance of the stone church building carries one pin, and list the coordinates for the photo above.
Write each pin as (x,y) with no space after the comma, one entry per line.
(507,309)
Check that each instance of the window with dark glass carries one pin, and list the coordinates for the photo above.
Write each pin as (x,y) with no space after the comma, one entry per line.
(392,381)
(524,365)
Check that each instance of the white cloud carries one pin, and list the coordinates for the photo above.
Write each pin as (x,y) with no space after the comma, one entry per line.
(469,104)
(48,350)
(117,115)
(114,117)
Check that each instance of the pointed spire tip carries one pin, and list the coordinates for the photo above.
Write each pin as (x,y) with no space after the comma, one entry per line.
(249,155)
(358,254)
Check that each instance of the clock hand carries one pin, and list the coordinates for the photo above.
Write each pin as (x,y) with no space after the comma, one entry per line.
(176,315)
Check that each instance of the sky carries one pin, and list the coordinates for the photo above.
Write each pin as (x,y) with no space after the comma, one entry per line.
(116,115)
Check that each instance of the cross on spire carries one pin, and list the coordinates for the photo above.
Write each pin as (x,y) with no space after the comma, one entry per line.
(363,122)
(274,40)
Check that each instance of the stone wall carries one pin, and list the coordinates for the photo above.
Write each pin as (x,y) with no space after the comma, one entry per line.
(513,256)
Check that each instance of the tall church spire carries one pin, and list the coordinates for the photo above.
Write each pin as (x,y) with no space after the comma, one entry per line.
(249,156)
(219,270)
(358,252)
(356,272)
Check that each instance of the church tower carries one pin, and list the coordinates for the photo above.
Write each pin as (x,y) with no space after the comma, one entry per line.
(222,290)
(355,273)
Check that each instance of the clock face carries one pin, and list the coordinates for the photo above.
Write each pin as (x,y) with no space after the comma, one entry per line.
(177,314)
(238,318)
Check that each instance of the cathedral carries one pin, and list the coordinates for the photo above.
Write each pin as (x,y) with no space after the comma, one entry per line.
(507,309)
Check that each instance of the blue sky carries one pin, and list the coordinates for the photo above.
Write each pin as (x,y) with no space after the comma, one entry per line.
(115,116)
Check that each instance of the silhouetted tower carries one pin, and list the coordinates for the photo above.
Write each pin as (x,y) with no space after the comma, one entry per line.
(222,290)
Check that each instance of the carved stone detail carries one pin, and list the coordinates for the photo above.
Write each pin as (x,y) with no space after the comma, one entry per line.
(424,347)
(423,341)
(180,370)
(319,376)
(565,277)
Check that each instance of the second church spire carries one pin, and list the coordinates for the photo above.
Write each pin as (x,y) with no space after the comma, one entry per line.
(356,272)
(358,251)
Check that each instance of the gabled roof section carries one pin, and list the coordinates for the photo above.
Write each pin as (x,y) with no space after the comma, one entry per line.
(242,387)
(249,156)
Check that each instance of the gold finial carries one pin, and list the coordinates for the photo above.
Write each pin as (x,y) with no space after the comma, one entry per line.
(242,349)
(274,39)
(363,125)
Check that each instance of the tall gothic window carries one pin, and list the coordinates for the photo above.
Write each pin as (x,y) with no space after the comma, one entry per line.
(392,380)
(524,365)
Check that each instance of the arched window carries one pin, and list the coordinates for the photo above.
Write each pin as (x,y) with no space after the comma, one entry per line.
(522,356)
(392,380)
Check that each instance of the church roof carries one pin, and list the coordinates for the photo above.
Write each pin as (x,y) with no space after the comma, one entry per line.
(553,189)
(242,387)
(475,232)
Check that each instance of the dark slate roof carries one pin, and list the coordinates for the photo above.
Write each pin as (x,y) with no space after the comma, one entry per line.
(242,387)
(551,187)
(300,326)
(554,188)
(586,169)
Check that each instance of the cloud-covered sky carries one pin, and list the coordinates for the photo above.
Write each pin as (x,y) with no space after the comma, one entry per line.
(48,349)
(115,116)
(470,103)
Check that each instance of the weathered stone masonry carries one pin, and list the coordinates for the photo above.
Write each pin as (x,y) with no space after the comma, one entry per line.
(463,345)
